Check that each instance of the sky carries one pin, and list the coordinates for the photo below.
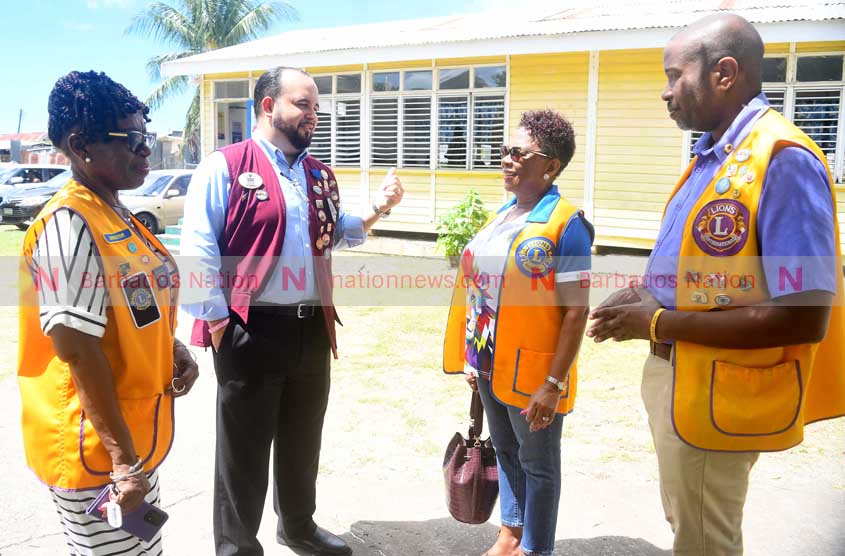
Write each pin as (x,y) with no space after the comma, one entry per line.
(42,40)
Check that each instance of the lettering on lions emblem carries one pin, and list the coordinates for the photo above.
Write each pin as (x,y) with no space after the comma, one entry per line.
(721,228)
(535,257)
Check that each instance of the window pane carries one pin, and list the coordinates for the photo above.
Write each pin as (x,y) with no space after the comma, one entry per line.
(817,113)
(348,136)
(231,89)
(454,78)
(774,70)
(324,84)
(488,130)
(417,80)
(416,131)
(321,141)
(490,77)
(386,81)
(452,132)
(385,131)
(349,83)
(820,68)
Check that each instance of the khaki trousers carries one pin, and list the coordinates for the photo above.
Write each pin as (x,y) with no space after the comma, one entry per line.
(703,491)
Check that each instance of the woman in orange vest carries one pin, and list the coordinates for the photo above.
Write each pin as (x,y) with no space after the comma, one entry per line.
(518,314)
(99,366)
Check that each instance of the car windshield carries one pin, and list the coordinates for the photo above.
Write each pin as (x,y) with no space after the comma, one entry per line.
(7,174)
(152,186)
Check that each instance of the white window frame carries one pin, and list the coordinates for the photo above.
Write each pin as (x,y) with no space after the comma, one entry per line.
(471,93)
(401,95)
(215,101)
(330,100)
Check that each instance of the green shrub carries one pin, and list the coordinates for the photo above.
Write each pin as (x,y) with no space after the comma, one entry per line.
(460,224)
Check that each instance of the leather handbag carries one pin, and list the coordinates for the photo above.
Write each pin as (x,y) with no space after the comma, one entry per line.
(470,472)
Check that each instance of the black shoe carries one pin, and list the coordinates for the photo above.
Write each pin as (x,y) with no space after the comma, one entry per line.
(319,543)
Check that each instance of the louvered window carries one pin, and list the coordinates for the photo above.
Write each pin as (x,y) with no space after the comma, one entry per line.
(385,131)
(416,132)
(817,114)
(321,141)
(347,132)
(452,132)
(488,130)
(337,139)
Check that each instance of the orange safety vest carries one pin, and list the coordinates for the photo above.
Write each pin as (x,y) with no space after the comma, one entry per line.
(529,318)
(61,446)
(748,399)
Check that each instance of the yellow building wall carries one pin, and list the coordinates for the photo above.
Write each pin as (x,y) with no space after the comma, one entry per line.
(827,46)
(638,148)
(558,82)
(207,116)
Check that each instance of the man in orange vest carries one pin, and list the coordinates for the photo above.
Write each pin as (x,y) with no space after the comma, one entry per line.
(742,298)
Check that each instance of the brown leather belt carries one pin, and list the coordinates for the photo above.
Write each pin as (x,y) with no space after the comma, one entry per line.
(663,351)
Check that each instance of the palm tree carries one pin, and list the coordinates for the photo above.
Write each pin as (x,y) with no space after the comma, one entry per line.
(193,27)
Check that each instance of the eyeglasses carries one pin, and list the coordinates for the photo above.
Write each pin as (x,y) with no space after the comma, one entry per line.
(518,153)
(134,139)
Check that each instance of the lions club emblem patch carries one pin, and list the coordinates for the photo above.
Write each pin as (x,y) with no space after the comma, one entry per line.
(721,228)
(535,257)
(140,299)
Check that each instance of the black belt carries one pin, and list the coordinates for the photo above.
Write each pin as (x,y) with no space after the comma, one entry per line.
(663,351)
(299,311)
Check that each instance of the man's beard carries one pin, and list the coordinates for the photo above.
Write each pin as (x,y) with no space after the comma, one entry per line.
(298,139)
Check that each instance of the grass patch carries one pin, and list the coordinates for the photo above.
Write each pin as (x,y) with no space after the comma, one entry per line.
(11,240)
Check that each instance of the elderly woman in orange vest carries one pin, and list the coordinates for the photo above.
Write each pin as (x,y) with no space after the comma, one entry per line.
(99,366)
(517,318)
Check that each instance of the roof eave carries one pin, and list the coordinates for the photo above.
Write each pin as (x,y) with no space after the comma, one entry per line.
(787,31)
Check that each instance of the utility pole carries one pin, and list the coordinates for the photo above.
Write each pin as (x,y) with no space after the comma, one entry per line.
(20,117)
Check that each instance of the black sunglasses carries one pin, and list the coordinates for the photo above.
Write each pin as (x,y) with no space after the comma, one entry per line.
(134,139)
(518,153)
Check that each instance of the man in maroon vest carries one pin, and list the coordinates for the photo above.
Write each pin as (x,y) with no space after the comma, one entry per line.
(262,219)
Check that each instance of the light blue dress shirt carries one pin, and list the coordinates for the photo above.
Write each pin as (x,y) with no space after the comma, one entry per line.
(205,220)
(795,220)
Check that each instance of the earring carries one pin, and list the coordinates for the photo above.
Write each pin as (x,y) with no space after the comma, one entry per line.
(545,177)
(88,160)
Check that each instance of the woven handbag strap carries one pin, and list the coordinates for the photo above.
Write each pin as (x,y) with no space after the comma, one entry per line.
(476,417)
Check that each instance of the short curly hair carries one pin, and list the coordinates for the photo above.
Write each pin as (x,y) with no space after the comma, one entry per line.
(90,102)
(552,132)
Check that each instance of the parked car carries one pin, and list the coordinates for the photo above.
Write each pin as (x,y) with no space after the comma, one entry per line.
(21,175)
(160,201)
(18,174)
(24,202)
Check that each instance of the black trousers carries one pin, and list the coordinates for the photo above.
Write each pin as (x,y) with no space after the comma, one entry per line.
(273,378)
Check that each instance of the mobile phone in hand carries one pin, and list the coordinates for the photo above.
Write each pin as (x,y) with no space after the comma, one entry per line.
(144,522)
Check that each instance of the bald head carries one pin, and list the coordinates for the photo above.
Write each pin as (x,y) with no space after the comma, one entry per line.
(719,36)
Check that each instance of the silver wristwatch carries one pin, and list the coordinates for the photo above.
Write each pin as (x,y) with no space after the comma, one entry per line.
(560,384)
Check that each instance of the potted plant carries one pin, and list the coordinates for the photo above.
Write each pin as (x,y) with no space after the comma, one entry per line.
(459,225)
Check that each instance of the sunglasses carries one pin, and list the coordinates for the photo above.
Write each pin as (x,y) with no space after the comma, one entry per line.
(518,153)
(134,139)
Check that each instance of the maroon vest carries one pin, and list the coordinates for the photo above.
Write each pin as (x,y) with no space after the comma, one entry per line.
(255,231)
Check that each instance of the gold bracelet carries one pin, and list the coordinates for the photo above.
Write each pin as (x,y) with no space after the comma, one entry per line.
(653,327)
